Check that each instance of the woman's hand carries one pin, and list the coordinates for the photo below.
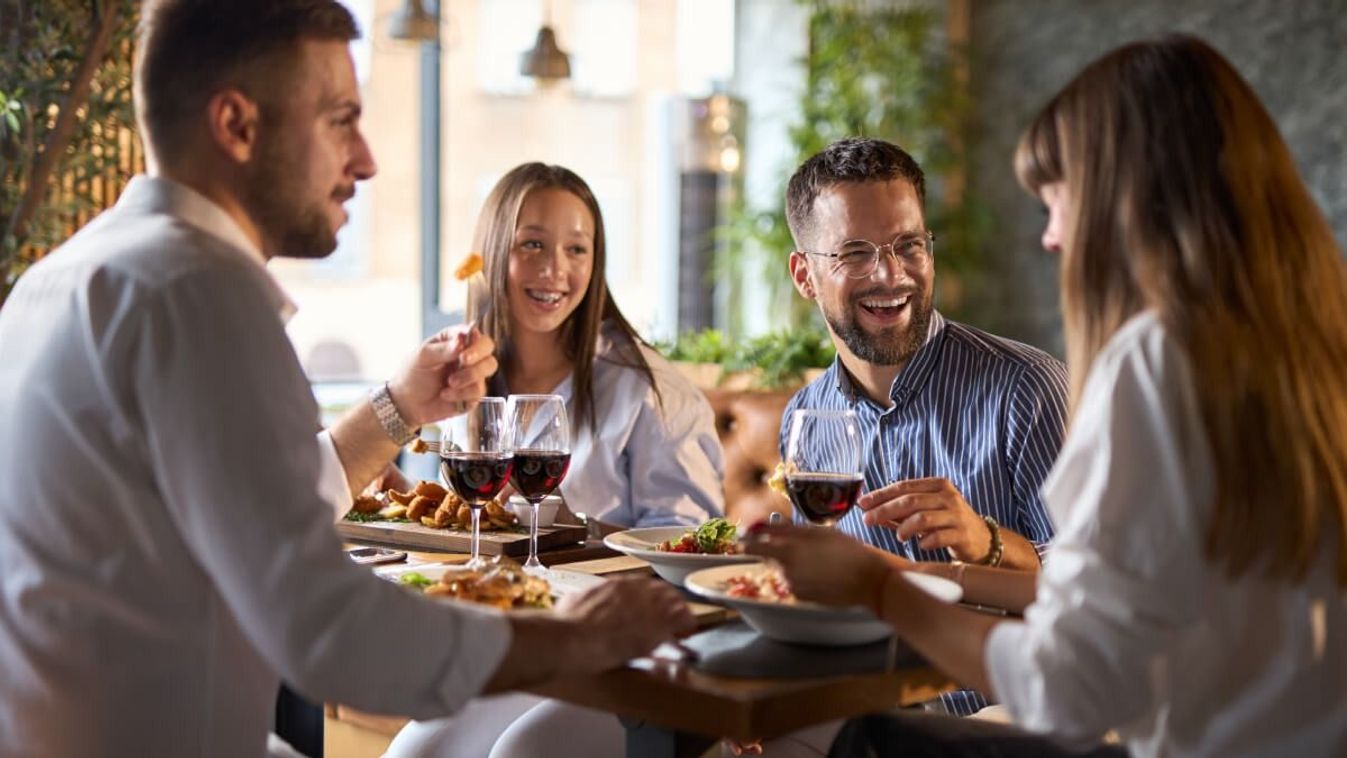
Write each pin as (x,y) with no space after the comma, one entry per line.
(822,565)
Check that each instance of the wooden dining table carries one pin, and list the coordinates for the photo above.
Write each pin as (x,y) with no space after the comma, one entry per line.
(735,684)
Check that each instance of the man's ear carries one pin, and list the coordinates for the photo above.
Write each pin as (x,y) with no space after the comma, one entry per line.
(799,274)
(232,120)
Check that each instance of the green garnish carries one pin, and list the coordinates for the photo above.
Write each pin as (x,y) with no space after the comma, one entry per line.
(713,535)
(413,579)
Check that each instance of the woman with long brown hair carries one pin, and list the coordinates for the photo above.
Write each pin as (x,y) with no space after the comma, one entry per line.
(1195,600)
(644,449)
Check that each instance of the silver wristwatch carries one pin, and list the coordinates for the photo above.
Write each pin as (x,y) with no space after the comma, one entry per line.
(389,418)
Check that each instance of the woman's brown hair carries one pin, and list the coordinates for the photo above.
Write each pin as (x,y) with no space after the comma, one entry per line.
(1184,200)
(579,334)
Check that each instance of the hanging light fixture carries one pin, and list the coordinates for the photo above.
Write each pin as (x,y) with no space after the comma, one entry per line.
(413,23)
(546,61)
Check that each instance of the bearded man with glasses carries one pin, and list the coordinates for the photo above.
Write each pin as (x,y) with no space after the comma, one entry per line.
(961,426)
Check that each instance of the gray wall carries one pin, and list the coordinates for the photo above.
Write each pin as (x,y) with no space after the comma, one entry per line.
(1293,52)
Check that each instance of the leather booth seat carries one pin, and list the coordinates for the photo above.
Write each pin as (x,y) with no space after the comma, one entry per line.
(749,425)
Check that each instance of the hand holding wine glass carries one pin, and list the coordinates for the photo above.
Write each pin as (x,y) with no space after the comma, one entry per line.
(823,464)
(476,459)
(541,440)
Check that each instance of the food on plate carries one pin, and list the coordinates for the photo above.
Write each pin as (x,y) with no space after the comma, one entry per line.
(765,586)
(714,537)
(366,504)
(431,505)
(502,583)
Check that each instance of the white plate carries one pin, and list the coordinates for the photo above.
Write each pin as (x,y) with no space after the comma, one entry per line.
(809,623)
(563,582)
(673,567)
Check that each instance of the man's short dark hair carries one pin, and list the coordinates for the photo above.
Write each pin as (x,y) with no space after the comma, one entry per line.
(189,49)
(856,159)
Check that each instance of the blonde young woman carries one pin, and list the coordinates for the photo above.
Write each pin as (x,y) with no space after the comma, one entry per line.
(1195,600)
(644,445)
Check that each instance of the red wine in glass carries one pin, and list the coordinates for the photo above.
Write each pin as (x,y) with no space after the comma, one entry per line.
(476,477)
(538,472)
(823,498)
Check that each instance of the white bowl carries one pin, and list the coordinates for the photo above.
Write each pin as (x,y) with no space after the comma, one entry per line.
(672,567)
(547,510)
(809,623)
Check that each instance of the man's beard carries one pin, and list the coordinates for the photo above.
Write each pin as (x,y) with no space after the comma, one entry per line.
(274,197)
(892,346)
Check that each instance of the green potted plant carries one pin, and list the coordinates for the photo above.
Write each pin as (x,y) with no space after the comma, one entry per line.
(709,359)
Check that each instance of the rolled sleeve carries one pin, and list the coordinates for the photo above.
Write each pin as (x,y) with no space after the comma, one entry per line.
(332,485)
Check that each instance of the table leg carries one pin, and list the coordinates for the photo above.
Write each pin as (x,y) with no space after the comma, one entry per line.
(645,740)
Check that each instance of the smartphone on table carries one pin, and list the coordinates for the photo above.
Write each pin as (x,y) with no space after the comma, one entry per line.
(375,555)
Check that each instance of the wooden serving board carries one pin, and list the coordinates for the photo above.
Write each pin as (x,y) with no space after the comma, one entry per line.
(514,543)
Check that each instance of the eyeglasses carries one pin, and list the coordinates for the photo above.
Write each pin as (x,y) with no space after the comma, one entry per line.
(859,258)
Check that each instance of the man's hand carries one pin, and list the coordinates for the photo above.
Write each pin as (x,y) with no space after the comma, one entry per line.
(932,510)
(591,631)
(625,618)
(446,372)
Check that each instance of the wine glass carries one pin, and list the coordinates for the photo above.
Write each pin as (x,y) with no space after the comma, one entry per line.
(823,464)
(475,459)
(541,439)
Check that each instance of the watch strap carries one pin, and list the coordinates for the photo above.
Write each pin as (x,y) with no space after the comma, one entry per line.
(389,418)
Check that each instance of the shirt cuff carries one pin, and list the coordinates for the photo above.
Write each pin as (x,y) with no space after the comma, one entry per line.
(1005,660)
(486,635)
(332,485)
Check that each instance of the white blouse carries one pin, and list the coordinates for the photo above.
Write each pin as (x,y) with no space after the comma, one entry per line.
(645,464)
(1132,628)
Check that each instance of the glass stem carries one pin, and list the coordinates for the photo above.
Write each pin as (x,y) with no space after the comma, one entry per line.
(533,531)
(476,530)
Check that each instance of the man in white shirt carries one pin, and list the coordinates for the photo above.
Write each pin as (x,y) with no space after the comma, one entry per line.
(165,555)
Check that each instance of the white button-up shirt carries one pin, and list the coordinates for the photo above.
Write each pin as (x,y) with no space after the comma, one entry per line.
(1133,629)
(164,555)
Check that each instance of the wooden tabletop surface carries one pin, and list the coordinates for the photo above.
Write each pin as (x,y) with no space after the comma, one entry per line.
(678,696)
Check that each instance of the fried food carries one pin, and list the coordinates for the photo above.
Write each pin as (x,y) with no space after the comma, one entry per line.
(432,490)
(501,584)
(420,506)
(366,504)
(472,264)
(431,505)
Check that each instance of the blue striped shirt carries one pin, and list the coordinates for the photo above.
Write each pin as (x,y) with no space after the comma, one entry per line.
(985,412)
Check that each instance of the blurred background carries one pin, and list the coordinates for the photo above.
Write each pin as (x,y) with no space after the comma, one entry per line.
(686,117)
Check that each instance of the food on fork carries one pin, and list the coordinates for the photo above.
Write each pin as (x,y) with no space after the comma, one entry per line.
(502,584)
(714,537)
(472,264)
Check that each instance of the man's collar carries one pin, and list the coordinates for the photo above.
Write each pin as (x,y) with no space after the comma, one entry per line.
(912,375)
(163,195)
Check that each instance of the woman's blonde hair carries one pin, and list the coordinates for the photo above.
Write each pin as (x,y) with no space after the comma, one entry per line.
(1185,201)
(494,238)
